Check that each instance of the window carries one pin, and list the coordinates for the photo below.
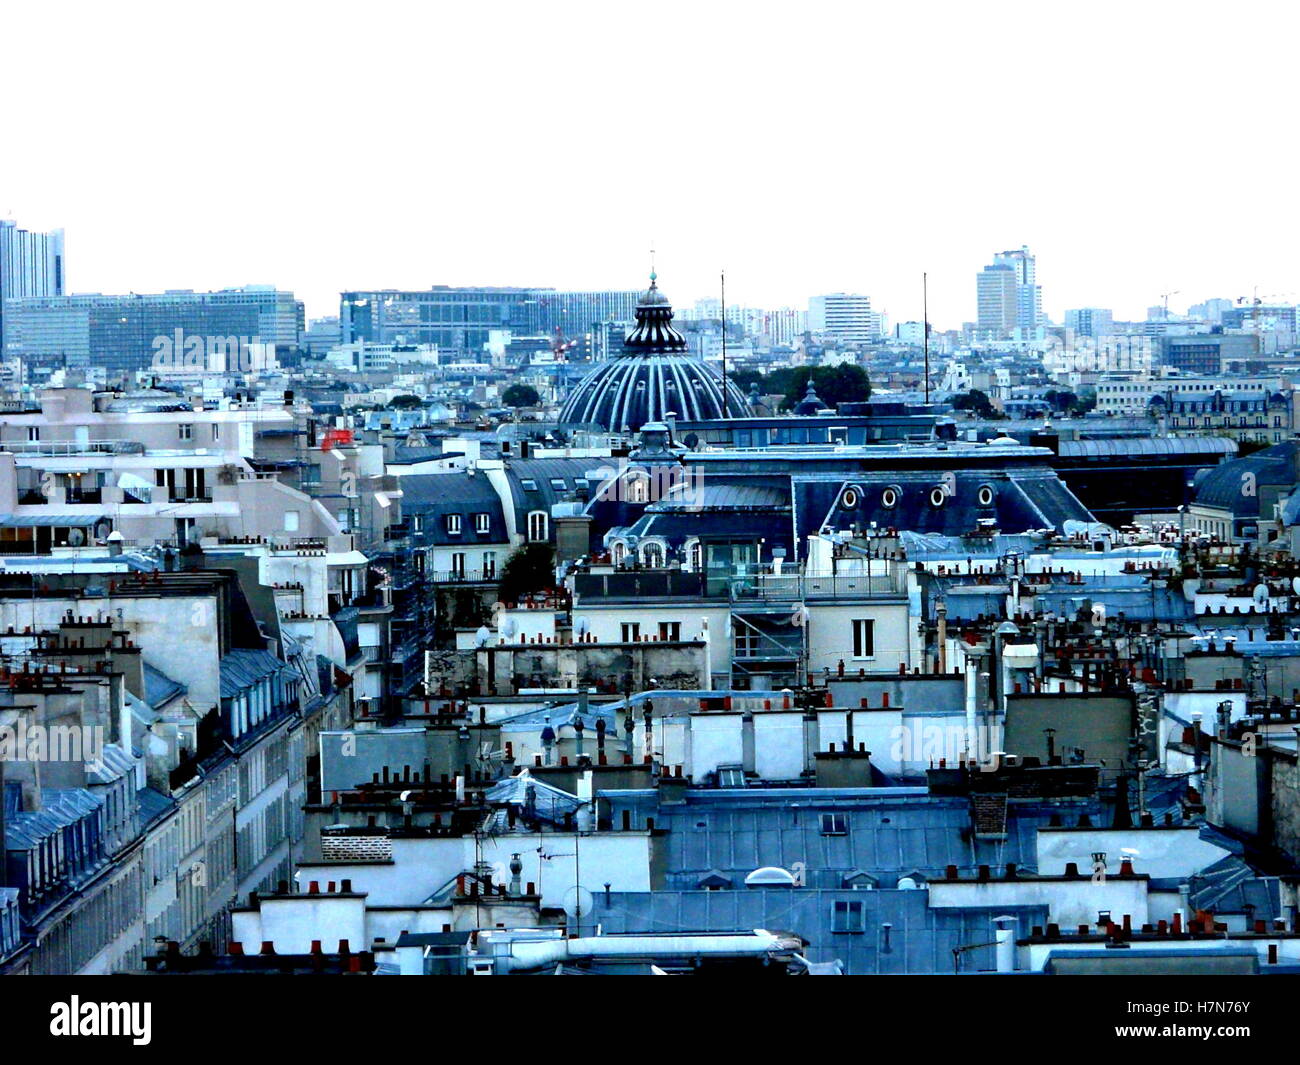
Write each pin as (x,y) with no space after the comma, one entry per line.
(482,523)
(558,484)
(835,825)
(186,431)
(290,521)
(33,433)
(731,776)
(849,917)
(631,631)
(529,485)
(670,630)
(458,564)
(864,638)
(453,524)
(489,565)
(537,526)
(652,555)
(417,523)
(216,431)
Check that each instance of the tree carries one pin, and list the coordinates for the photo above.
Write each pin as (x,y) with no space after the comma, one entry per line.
(521,396)
(406,401)
(834,385)
(977,401)
(530,568)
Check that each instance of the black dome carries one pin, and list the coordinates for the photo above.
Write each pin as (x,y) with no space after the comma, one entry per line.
(651,378)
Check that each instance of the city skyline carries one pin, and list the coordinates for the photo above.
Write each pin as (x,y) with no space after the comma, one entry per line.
(922,189)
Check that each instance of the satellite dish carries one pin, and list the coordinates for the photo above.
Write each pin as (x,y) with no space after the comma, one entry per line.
(76,537)
(578,901)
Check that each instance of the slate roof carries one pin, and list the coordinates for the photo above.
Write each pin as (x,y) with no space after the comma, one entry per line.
(242,669)
(1223,485)
(160,689)
(919,941)
(433,496)
(59,808)
(1230,886)
(540,472)
(153,805)
(890,832)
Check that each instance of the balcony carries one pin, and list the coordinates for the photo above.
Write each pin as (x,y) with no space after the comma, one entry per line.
(466,576)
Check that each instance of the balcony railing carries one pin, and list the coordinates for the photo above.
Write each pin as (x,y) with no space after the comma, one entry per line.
(466,576)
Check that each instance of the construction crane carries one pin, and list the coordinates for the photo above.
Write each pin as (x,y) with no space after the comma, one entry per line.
(1255,301)
(1164,296)
(561,345)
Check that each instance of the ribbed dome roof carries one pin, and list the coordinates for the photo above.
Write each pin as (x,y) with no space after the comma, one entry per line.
(651,378)
(654,331)
(1235,485)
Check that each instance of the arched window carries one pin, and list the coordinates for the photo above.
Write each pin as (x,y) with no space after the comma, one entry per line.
(619,552)
(695,556)
(538,530)
(652,555)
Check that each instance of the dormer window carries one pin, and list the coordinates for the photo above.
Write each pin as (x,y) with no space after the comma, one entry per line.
(538,526)
(453,524)
(482,523)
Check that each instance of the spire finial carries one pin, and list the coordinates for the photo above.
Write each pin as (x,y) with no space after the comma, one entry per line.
(653,276)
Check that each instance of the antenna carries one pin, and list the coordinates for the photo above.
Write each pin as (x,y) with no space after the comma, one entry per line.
(925,331)
(724,343)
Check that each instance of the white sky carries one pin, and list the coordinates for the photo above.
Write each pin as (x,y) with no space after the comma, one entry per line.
(1137,147)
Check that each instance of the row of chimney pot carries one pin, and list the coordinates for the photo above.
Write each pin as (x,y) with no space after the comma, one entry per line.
(1195,926)
(983,873)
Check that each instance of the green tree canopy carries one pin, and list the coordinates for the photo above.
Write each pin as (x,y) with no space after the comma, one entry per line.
(977,401)
(834,385)
(530,568)
(521,396)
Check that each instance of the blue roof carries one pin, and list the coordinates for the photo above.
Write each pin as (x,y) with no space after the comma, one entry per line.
(241,670)
(160,689)
(153,805)
(919,940)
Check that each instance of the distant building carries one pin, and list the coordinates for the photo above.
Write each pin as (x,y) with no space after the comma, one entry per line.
(910,332)
(1090,321)
(995,290)
(321,335)
(1014,302)
(125,333)
(31,264)
(1272,318)
(1210,311)
(463,318)
(1204,353)
(844,316)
